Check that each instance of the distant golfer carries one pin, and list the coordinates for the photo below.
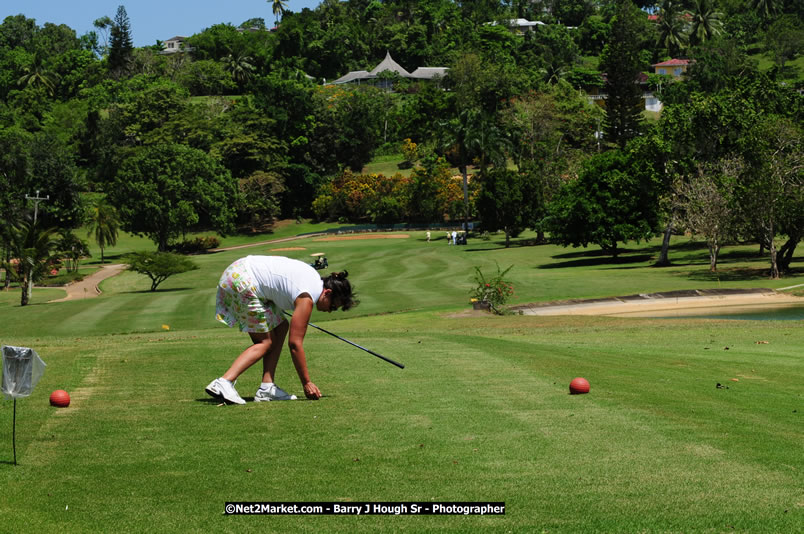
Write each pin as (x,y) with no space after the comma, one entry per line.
(252,292)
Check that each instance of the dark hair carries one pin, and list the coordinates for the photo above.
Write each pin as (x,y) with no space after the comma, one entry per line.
(342,291)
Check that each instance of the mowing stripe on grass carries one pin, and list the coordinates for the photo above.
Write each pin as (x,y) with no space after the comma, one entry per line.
(92,315)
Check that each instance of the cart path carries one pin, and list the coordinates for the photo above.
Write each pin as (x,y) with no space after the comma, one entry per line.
(88,287)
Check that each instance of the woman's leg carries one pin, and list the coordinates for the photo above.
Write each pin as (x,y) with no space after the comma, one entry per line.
(261,345)
(266,346)
(272,357)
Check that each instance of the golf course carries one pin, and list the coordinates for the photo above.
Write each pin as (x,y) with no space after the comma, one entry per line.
(690,425)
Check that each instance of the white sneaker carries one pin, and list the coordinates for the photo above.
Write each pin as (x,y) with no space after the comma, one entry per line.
(222,390)
(272,393)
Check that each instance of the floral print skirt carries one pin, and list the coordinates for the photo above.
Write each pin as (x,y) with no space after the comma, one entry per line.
(238,305)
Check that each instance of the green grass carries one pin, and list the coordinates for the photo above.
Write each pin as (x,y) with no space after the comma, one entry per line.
(481,412)
(387,166)
(206,99)
(793,70)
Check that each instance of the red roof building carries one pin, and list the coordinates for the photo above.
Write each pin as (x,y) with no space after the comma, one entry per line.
(673,67)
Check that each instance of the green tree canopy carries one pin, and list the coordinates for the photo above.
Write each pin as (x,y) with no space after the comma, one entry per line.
(614,199)
(165,190)
(159,266)
(508,200)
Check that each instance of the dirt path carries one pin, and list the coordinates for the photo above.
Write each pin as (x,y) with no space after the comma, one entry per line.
(88,287)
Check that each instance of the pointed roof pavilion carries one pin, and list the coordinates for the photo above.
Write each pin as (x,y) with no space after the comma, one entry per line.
(389,64)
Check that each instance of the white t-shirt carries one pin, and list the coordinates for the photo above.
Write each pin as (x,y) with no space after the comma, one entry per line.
(281,280)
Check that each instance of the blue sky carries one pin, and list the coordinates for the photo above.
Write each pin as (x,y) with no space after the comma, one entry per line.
(150,19)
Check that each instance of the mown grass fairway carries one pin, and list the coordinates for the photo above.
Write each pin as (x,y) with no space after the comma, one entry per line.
(481,412)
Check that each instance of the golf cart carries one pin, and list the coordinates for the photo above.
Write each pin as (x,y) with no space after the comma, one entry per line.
(320,261)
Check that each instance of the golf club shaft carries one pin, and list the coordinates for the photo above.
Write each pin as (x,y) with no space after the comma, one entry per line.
(380,356)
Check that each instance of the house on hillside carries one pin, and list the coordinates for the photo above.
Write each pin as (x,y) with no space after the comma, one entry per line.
(174,44)
(598,95)
(389,65)
(254,29)
(676,68)
(519,26)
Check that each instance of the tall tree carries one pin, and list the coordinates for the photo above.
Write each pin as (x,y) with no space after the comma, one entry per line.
(771,192)
(14,169)
(70,249)
(104,25)
(508,200)
(278,7)
(614,199)
(239,66)
(766,8)
(706,23)
(784,40)
(33,247)
(165,190)
(121,46)
(705,200)
(103,224)
(671,28)
(460,136)
(37,75)
(621,62)
(54,172)
(358,124)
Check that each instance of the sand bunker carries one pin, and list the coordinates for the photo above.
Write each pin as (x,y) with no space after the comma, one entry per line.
(662,304)
(362,236)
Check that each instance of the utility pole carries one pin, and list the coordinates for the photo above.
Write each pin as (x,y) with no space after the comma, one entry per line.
(37,199)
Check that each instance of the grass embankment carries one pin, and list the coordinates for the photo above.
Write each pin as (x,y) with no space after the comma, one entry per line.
(481,412)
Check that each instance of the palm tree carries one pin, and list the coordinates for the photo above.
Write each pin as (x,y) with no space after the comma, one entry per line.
(239,66)
(279,7)
(766,8)
(104,224)
(493,144)
(461,134)
(36,75)
(706,21)
(33,249)
(671,28)
(71,249)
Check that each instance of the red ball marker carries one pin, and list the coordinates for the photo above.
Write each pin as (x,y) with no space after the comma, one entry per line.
(579,385)
(60,398)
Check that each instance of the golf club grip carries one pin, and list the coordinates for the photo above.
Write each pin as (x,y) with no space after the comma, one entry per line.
(380,356)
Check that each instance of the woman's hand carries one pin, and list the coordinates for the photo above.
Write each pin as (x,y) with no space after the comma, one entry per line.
(311,391)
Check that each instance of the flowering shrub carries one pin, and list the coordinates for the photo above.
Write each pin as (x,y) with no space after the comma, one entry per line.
(495,290)
(410,150)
